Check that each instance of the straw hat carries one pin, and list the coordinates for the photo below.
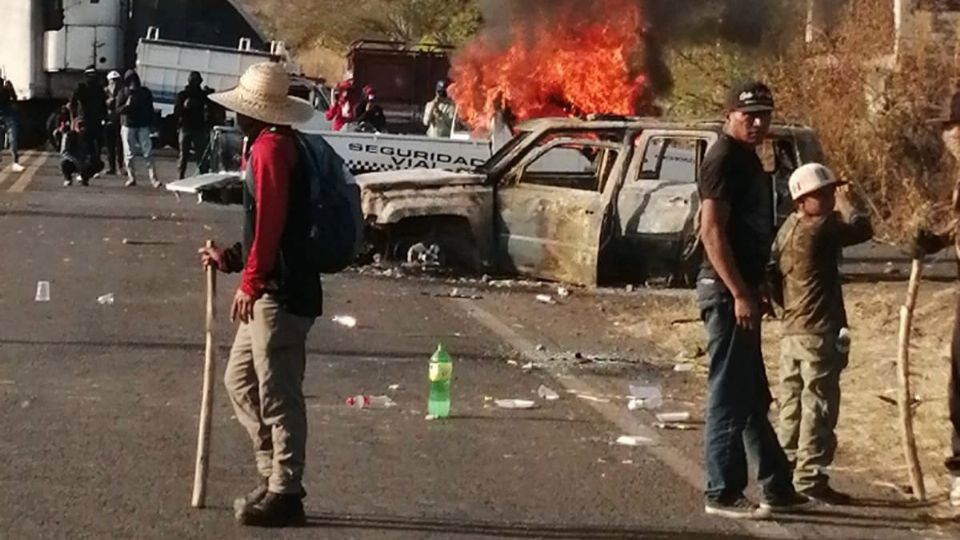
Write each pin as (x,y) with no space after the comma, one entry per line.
(262,95)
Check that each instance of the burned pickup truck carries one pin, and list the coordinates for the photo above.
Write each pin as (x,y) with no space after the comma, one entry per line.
(576,201)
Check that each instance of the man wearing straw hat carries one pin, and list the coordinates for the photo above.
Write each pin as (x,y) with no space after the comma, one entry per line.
(278,299)
(929,242)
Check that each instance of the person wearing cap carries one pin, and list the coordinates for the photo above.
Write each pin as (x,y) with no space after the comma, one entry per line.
(111,134)
(89,103)
(136,117)
(11,121)
(928,242)
(341,110)
(369,113)
(815,344)
(279,296)
(190,111)
(439,113)
(736,232)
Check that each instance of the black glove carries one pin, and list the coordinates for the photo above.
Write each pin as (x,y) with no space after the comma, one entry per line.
(924,243)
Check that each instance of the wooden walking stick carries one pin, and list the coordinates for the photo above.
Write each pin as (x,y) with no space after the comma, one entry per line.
(905,397)
(206,402)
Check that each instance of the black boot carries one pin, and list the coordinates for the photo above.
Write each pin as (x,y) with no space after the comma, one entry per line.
(275,510)
(240,504)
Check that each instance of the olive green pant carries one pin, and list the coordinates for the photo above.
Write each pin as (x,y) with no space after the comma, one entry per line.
(264,380)
(810,368)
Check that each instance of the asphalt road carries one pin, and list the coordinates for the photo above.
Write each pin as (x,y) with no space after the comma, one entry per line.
(100,402)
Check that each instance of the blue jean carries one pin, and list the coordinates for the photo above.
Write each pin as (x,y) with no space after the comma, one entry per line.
(12,125)
(737,405)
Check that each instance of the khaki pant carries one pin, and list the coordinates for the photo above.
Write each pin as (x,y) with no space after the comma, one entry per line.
(810,368)
(264,380)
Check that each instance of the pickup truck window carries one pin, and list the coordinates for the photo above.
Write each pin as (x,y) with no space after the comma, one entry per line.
(572,165)
(672,158)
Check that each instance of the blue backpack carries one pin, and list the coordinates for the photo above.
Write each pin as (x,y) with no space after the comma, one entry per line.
(336,219)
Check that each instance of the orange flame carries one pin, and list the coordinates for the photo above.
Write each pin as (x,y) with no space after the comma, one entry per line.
(558,65)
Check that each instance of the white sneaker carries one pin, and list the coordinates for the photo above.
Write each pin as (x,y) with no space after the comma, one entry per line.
(16,167)
(955,492)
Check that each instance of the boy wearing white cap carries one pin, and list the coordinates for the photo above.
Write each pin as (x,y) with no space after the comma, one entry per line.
(805,272)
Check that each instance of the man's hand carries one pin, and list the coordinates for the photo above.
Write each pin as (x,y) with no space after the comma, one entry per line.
(213,257)
(923,243)
(747,312)
(242,308)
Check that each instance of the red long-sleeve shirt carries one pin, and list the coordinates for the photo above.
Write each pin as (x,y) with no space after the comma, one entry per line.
(274,156)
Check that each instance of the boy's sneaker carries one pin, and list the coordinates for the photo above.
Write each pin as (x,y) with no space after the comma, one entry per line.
(827,495)
(787,504)
(130,183)
(67,183)
(16,167)
(274,510)
(955,492)
(739,508)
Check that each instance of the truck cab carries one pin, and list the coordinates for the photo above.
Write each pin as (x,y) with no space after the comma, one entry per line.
(576,201)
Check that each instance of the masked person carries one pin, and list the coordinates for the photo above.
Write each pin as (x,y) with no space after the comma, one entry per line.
(191,113)
(137,116)
(341,110)
(369,113)
(928,242)
(111,134)
(89,103)
(439,113)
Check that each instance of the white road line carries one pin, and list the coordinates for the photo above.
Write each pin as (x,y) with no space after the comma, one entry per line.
(28,175)
(685,468)
(8,173)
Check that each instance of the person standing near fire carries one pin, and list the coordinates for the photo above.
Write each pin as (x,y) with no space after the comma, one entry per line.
(440,113)
(927,242)
(736,233)
(370,114)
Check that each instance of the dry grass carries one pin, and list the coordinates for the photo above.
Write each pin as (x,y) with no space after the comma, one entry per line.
(869,427)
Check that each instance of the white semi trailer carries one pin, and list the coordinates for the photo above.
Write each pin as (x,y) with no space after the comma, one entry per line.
(46,44)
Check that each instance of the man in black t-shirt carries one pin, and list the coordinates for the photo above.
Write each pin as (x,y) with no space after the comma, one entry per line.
(736,233)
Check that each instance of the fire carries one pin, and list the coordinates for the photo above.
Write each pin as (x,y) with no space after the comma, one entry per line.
(558,64)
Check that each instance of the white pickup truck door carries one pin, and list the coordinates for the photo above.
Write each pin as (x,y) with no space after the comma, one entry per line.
(551,209)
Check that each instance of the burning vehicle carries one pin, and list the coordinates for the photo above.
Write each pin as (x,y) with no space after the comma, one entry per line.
(570,200)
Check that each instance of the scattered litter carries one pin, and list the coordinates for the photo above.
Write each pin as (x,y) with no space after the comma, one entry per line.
(513,363)
(394,387)
(629,288)
(547,394)
(683,368)
(588,397)
(43,291)
(516,404)
(24,404)
(627,462)
(541,348)
(346,320)
(133,242)
(645,396)
(528,367)
(429,417)
(106,300)
(675,426)
(456,293)
(508,456)
(629,440)
(370,402)
(673,417)
(563,292)
(546,299)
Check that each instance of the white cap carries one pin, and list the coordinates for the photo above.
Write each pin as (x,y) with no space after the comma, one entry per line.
(809,178)
(113,75)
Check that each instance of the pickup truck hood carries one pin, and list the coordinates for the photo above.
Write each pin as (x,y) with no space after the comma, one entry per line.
(417,178)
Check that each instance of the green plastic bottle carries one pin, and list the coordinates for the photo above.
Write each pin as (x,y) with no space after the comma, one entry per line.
(441,372)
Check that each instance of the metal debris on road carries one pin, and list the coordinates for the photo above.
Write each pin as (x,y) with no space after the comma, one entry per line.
(645,396)
(346,320)
(546,299)
(547,394)
(43,291)
(675,426)
(106,300)
(516,404)
(633,440)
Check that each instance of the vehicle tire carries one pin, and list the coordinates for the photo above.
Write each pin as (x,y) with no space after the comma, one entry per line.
(457,246)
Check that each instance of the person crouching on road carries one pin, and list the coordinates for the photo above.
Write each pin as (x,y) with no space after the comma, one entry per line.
(78,157)
(137,115)
(191,113)
(278,299)
(815,343)
(736,232)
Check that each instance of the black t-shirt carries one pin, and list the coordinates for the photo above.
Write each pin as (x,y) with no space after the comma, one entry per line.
(732,172)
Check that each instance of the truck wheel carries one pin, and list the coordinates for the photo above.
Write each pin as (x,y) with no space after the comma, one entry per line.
(448,241)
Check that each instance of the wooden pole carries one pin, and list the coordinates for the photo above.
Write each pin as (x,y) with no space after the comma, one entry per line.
(905,396)
(206,402)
